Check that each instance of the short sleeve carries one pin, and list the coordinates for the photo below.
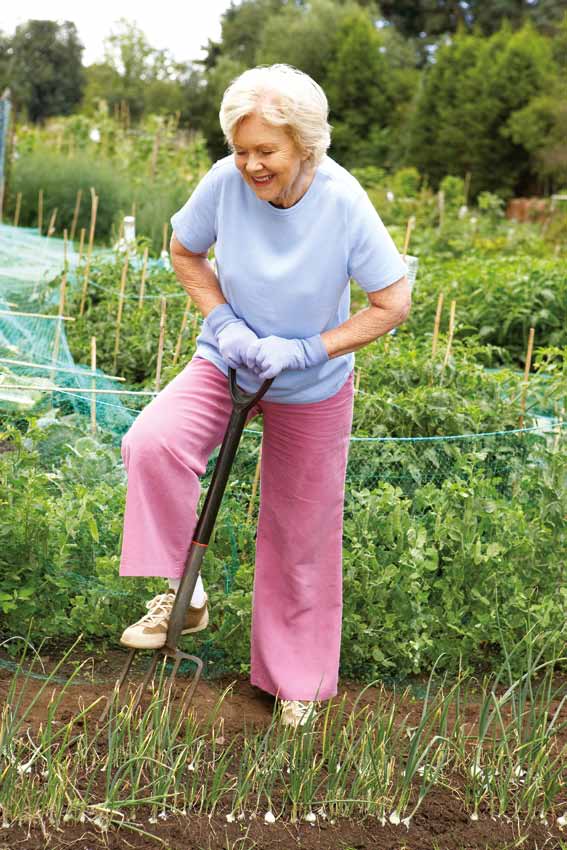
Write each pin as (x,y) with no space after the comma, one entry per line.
(373,261)
(195,223)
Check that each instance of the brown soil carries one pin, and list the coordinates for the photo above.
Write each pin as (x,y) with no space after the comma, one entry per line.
(440,824)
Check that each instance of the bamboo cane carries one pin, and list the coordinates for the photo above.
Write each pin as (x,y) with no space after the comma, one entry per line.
(119,314)
(93,385)
(2,190)
(143,281)
(177,351)
(160,344)
(40,210)
(75,390)
(254,486)
(81,243)
(65,248)
(51,227)
(71,371)
(436,324)
(526,377)
(357,381)
(94,208)
(165,234)
(76,213)
(60,313)
(18,206)
(133,213)
(450,336)
(35,315)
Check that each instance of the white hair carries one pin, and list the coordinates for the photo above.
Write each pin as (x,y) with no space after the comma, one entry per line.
(282,96)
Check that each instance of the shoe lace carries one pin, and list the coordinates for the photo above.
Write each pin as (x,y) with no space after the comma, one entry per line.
(159,606)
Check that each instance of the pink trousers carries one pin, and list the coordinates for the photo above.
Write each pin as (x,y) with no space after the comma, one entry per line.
(297,600)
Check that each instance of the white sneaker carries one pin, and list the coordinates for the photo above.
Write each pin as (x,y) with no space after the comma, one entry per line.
(150,632)
(296,713)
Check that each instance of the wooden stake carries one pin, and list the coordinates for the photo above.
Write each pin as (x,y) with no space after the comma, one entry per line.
(94,208)
(93,385)
(35,315)
(51,227)
(357,381)
(81,243)
(65,248)
(60,313)
(165,234)
(160,344)
(409,227)
(75,390)
(18,206)
(526,377)
(436,324)
(120,308)
(254,486)
(85,285)
(143,281)
(76,213)
(450,336)
(71,371)
(181,330)
(40,210)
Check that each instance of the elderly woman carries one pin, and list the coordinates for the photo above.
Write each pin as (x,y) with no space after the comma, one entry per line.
(290,228)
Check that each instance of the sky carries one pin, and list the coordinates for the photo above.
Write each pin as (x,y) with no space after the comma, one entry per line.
(184,28)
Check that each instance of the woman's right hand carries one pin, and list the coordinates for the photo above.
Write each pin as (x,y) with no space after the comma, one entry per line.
(233,342)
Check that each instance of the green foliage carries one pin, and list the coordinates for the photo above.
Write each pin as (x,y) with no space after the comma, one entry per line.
(467,101)
(499,298)
(44,69)
(61,178)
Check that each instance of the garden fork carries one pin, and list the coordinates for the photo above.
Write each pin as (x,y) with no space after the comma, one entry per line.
(242,404)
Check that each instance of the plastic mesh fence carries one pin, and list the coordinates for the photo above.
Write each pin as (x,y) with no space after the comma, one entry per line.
(420,470)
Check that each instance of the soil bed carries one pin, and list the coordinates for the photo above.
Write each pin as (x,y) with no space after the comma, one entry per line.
(441,823)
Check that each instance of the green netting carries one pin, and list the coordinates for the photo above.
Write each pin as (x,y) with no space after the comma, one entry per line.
(405,485)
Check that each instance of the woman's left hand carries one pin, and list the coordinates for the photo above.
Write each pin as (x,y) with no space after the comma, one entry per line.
(269,356)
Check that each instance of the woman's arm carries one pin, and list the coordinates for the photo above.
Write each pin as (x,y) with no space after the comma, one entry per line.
(195,274)
(388,308)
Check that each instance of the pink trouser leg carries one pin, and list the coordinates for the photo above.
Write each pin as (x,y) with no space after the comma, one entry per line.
(296,621)
(164,452)
(297,608)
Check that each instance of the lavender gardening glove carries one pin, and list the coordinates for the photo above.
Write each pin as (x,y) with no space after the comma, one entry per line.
(233,335)
(271,355)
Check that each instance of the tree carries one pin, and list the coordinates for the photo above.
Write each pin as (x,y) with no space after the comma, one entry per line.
(304,36)
(466,106)
(44,70)
(364,89)
(428,19)
(241,30)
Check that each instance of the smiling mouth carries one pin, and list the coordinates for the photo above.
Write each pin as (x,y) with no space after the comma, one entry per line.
(263,181)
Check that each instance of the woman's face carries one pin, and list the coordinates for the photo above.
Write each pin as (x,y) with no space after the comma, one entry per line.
(264,151)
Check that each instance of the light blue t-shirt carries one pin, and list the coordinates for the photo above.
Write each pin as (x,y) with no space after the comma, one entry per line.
(287,271)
